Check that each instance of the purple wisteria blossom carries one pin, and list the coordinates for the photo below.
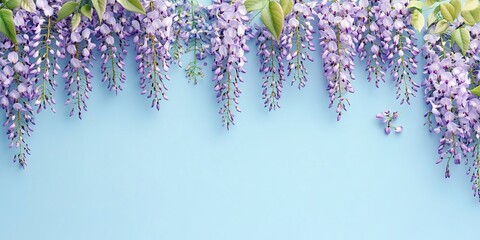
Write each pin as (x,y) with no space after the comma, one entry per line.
(399,43)
(47,60)
(272,66)
(18,84)
(229,45)
(453,110)
(298,33)
(112,35)
(153,38)
(387,118)
(77,47)
(192,32)
(370,48)
(338,34)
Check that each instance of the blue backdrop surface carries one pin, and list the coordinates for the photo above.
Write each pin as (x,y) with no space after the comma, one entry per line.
(129,172)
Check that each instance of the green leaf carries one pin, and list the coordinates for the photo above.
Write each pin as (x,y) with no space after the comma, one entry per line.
(441,26)
(476,91)
(76,18)
(28,5)
(132,6)
(100,6)
(471,17)
(253,5)
(457,5)
(273,18)
(429,3)
(470,5)
(86,10)
(12,4)
(418,21)
(432,17)
(448,11)
(287,6)
(415,4)
(461,37)
(66,10)
(7,26)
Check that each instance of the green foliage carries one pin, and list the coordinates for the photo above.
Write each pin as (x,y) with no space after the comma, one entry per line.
(67,9)
(415,4)
(99,6)
(273,18)
(441,26)
(28,5)
(451,15)
(132,6)
(287,6)
(254,5)
(461,37)
(448,11)
(7,26)
(12,4)
(273,13)
(86,11)
(418,20)
(476,91)
(76,18)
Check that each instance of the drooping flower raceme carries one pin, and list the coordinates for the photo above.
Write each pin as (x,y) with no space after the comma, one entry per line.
(112,34)
(399,43)
(449,100)
(337,39)
(47,61)
(77,47)
(370,48)
(18,84)
(272,54)
(298,33)
(228,46)
(192,33)
(153,38)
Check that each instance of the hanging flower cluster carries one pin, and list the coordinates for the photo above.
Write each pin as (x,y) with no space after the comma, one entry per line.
(299,30)
(229,44)
(337,31)
(451,50)
(387,39)
(192,35)
(162,31)
(272,54)
(153,36)
(43,41)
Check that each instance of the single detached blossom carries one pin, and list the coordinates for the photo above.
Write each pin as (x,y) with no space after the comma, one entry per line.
(387,117)
(228,47)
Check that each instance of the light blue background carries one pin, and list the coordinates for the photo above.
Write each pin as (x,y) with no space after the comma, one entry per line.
(129,172)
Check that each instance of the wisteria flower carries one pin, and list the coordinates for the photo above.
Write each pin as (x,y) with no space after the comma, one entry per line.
(387,118)
(338,32)
(229,45)
(153,38)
